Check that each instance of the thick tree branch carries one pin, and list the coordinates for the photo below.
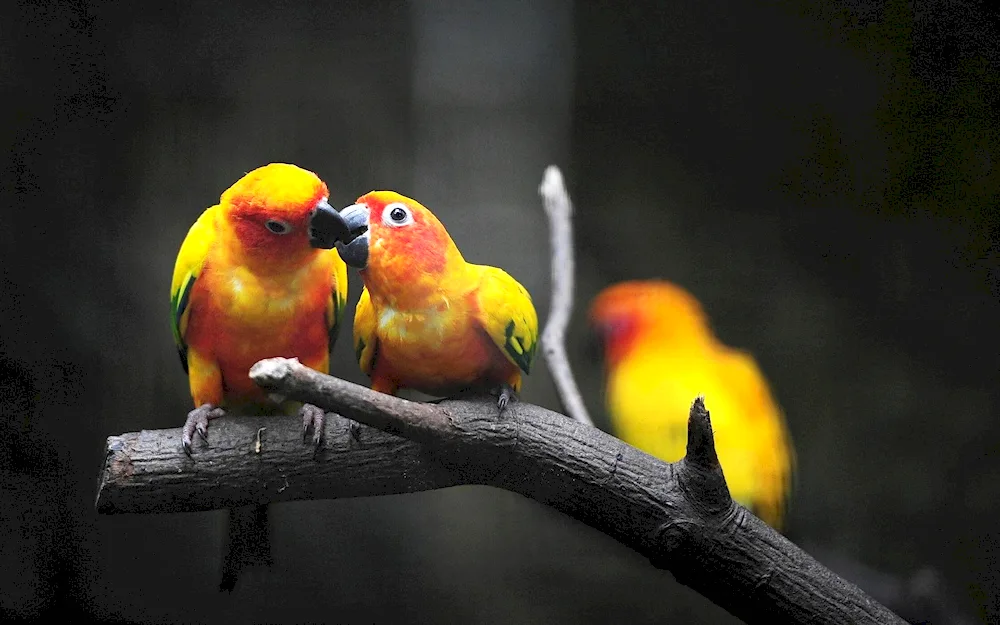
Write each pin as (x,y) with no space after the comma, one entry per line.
(559,210)
(679,515)
(148,472)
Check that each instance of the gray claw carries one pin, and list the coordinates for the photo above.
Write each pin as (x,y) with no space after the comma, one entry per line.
(313,418)
(506,396)
(354,431)
(197,421)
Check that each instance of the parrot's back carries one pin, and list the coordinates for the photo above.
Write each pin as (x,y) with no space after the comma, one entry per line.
(649,400)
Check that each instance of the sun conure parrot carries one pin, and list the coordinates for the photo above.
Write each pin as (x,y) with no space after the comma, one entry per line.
(427,319)
(660,353)
(253,280)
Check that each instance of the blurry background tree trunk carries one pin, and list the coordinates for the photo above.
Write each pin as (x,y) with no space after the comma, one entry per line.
(492,100)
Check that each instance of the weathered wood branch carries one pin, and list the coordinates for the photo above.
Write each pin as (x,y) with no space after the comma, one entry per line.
(679,515)
(559,210)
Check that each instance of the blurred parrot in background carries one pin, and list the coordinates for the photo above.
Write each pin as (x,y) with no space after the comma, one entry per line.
(427,319)
(253,280)
(660,353)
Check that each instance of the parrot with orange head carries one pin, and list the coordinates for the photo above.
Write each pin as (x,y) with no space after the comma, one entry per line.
(660,353)
(254,280)
(427,319)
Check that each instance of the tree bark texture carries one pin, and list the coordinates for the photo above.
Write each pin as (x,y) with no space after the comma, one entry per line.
(679,515)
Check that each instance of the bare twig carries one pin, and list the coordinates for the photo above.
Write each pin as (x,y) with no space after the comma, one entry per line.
(679,515)
(559,210)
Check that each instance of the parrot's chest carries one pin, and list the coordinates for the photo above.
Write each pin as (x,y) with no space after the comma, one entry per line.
(249,317)
(248,299)
(431,325)
(434,347)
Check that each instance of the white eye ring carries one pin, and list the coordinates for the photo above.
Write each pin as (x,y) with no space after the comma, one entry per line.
(397,214)
(277,227)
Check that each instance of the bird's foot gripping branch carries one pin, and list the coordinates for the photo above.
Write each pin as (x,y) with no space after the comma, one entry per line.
(678,514)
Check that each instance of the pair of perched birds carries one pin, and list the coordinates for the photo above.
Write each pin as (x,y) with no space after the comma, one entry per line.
(258,276)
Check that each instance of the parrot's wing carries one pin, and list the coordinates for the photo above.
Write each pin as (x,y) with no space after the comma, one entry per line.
(775,452)
(365,340)
(338,298)
(508,316)
(190,260)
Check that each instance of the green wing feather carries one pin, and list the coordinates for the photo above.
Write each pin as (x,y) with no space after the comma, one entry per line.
(190,261)
(508,316)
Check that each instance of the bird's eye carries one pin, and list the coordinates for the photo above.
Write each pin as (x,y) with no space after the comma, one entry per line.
(277,227)
(397,214)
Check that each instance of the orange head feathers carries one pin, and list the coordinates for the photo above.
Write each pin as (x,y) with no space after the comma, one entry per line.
(270,210)
(627,312)
(396,238)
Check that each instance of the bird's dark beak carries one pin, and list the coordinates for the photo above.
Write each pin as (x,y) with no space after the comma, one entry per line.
(354,247)
(326,226)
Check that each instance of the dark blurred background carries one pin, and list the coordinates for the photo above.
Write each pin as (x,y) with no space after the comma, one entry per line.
(822,175)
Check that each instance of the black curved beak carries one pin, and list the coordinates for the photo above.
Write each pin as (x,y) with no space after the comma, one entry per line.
(353,249)
(326,226)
